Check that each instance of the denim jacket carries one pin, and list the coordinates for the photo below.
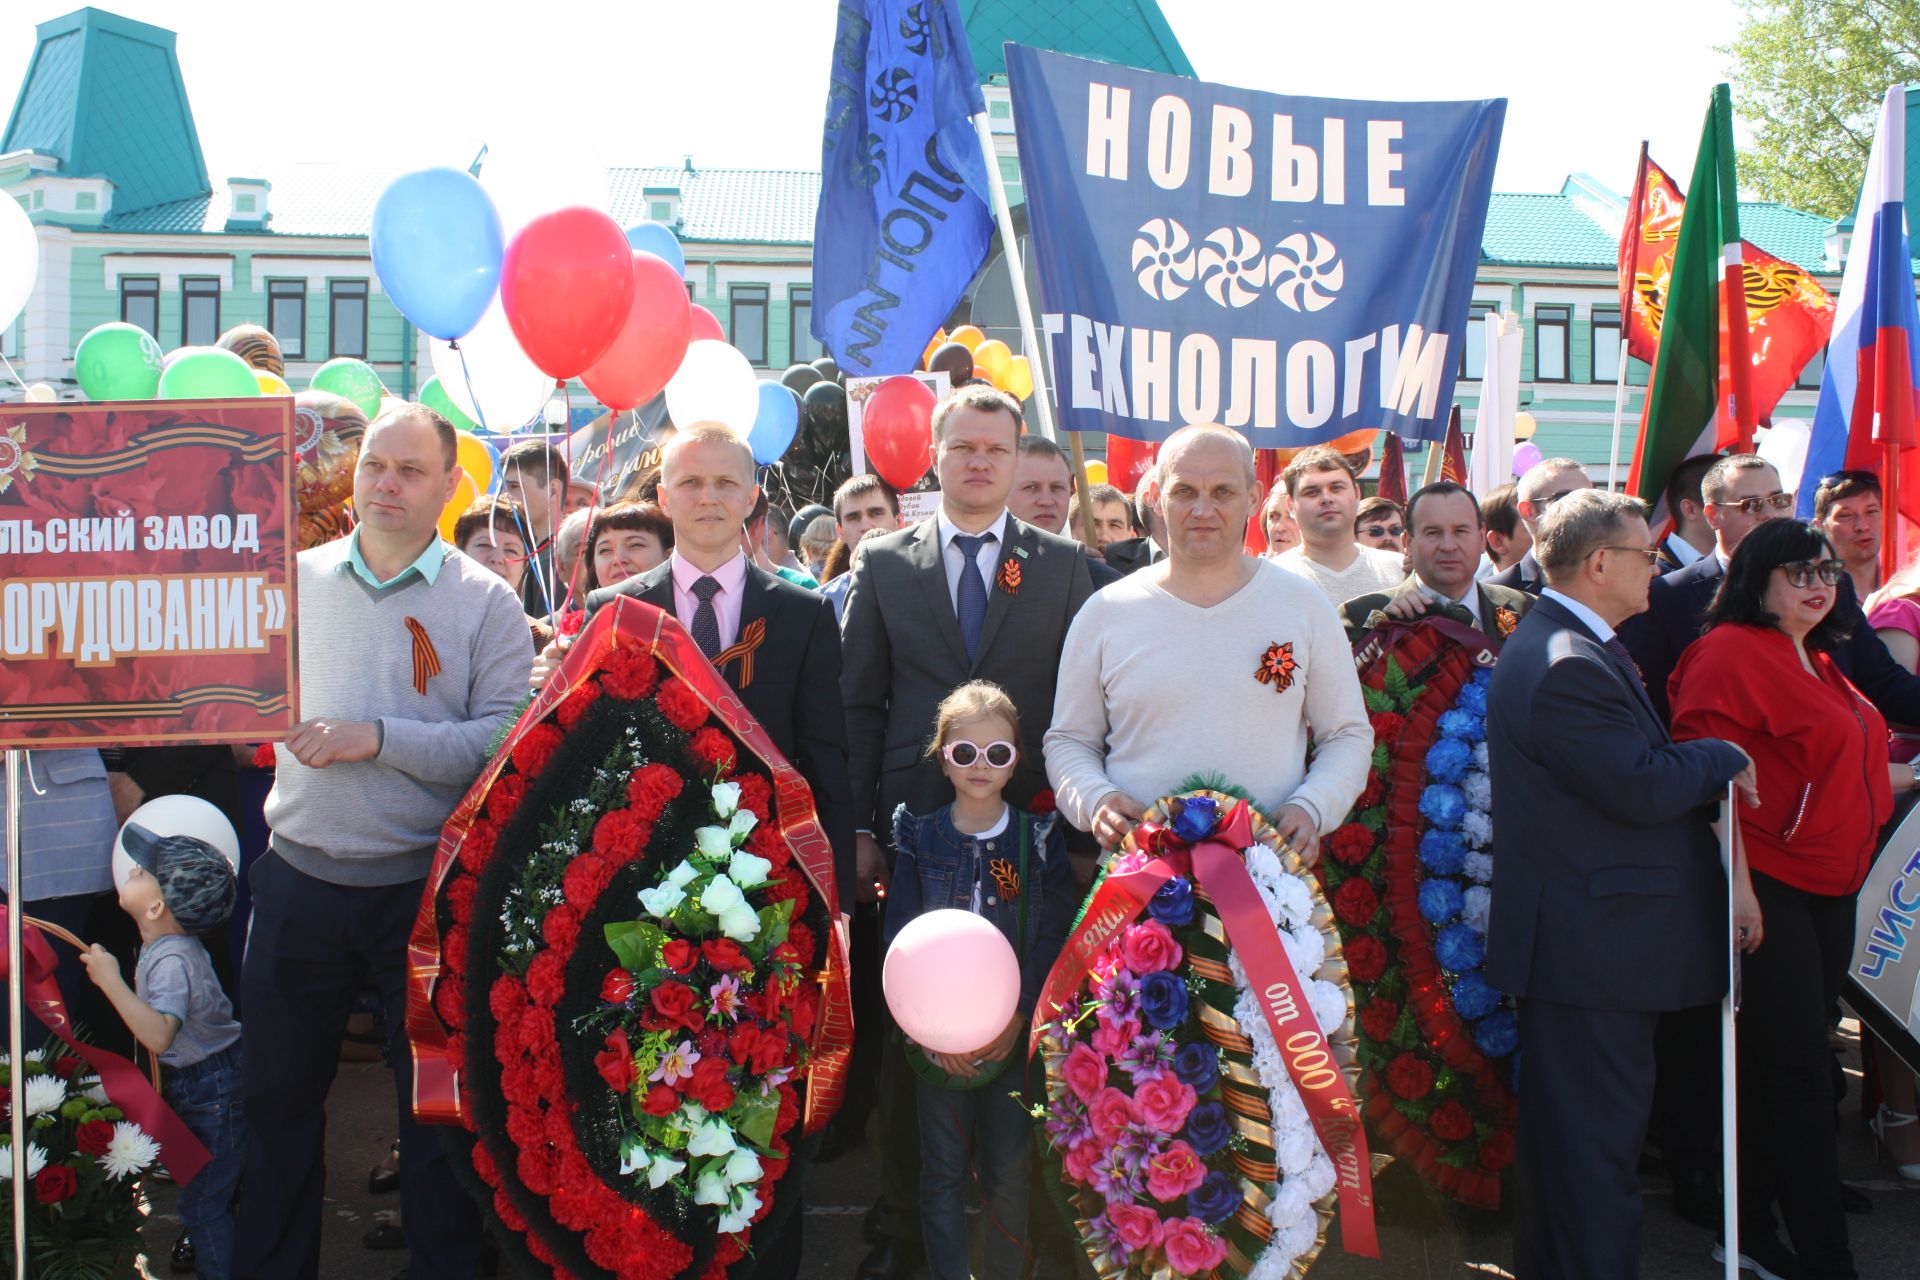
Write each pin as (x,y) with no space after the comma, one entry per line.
(936,866)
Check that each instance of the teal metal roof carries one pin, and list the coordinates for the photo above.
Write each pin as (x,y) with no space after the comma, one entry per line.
(1544,231)
(305,200)
(104,94)
(1800,238)
(1133,33)
(755,206)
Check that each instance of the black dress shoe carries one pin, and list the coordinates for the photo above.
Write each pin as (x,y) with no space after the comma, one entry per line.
(182,1261)
(382,1181)
(385,1235)
(1696,1198)
(888,1260)
(841,1137)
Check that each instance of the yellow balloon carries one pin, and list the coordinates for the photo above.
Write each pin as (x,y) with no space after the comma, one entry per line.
(1019,380)
(991,360)
(1524,426)
(474,460)
(271,384)
(463,497)
(1096,472)
(968,336)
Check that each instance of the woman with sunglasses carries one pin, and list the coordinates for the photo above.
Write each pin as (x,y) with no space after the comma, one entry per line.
(980,854)
(1761,677)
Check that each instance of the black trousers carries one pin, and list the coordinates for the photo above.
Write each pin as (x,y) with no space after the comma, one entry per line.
(1586,1088)
(313,945)
(1789,1154)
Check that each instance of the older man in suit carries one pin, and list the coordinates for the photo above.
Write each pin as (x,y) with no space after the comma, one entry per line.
(1608,898)
(1443,539)
(1544,484)
(971,594)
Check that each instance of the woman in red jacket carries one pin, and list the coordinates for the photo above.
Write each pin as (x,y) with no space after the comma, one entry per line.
(1762,679)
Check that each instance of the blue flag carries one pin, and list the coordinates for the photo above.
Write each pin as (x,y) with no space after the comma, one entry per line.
(1294,268)
(903,222)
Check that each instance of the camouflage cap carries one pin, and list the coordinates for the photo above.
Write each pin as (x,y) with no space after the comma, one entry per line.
(196,880)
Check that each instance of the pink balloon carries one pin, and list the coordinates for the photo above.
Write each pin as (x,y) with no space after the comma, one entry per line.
(705,324)
(951,981)
(1525,454)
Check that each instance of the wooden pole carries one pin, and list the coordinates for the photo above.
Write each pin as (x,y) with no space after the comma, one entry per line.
(16,1016)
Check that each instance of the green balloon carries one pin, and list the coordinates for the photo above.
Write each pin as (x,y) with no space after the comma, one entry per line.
(352,380)
(207,373)
(435,397)
(118,361)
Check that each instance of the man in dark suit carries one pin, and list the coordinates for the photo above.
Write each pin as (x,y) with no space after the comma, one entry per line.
(971,594)
(1608,898)
(1692,536)
(1043,492)
(1443,540)
(1150,547)
(1544,484)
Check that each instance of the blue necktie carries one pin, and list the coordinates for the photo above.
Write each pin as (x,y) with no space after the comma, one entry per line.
(706,619)
(971,603)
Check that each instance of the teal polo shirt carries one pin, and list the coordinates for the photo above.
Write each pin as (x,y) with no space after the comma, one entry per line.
(427,565)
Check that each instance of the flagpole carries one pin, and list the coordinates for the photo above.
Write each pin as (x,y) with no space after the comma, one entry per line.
(1010,244)
(1619,407)
(16,1015)
(1729,1064)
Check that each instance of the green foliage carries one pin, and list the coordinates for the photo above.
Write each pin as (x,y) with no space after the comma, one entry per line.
(1212,782)
(1808,76)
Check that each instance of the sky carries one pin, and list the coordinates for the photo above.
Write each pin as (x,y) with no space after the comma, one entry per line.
(742,83)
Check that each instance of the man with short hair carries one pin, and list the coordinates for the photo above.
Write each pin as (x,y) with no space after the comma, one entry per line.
(862,503)
(764,540)
(1507,539)
(1111,520)
(1609,905)
(1380,523)
(1130,722)
(1847,508)
(1044,493)
(362,788)
(971,594)
(1692,536)
(1325,495)
(534,474)
(1443,538)
(1544,484)
(581,495)
(1149,547)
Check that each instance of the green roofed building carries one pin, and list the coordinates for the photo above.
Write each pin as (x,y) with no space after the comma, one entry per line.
(102,152)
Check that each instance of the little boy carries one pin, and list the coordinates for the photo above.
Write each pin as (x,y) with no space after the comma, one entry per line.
(180,887)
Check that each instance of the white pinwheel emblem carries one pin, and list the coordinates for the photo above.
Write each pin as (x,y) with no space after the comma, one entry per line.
(1163,259)
(1305,271)
(1232,267)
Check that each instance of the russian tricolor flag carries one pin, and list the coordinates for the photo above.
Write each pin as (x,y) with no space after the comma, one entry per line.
(1867,409)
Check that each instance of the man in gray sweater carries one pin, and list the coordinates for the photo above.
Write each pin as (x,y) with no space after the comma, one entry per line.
(411,659)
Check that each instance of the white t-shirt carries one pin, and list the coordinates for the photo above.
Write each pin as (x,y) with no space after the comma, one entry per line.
(1372,570)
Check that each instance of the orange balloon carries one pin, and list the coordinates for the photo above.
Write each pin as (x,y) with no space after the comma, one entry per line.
(463,497)
(968,336)
(940,339)
(1019,383)
(1355,441)
(992,360)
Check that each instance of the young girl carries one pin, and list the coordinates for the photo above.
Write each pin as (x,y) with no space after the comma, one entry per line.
(980,854)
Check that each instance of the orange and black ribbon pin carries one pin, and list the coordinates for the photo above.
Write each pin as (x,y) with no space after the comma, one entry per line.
(426,659)
(751,638)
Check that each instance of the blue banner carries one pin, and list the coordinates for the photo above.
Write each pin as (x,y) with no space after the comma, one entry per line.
(903,221)
(1294,268)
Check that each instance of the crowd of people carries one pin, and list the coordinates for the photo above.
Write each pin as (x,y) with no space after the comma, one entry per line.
(1017,678)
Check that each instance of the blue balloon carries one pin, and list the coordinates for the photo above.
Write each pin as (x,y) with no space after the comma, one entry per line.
(657,238)
(437,246)
(774,425)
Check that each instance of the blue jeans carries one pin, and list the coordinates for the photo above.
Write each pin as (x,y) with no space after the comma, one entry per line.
(985,1131)
(206,1096)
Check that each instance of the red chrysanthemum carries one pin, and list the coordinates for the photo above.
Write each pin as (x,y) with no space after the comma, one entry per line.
(535,748)
(546,982)
(1366,958)
(680,705)
(1350,844)
(629,673)
(715,749)
(1373,793)
(1355,902)
(453,950)
(476,847)
(620,834)
(585,877)
(1042,804)
(756,794)
(484,1166)
(506,998)
(1409,1077)
(650,788)
(576,704)
(1379,1018)
(509,789)
(1387,727)
(447,1003)
(1450,1121)
(803,942)
(1496,1153)
(561,928)
(460,898)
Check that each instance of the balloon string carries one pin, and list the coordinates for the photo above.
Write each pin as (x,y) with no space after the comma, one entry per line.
(466,376)
(12,372)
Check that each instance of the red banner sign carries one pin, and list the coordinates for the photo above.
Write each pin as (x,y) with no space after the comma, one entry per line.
(146,566)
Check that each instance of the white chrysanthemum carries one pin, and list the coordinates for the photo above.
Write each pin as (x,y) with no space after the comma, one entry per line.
(1319,1176)
(1290,1204)
(1295,1238)
(1480,755)
(130,1151)
(44,1094)
(36,1160)
(1479,907)
(1296,1150)
(1477,827)
(1479,790)
(1329,1004)
(1479,868)
(1289,1112)
(1306,948)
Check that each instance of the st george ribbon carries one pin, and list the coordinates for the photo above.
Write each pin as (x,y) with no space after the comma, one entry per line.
(1294,268)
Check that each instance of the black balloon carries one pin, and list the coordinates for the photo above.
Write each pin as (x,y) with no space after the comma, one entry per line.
(825,404)
(799,377)
(828,368)
(955,359)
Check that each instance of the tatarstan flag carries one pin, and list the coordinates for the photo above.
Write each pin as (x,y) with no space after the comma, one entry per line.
(1701,397)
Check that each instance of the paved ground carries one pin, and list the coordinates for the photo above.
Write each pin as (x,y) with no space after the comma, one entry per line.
(1416,1242)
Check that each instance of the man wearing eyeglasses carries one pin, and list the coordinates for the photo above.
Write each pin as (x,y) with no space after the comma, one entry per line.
(1544,484)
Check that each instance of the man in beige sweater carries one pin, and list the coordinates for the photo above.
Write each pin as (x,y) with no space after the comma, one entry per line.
(1213,661)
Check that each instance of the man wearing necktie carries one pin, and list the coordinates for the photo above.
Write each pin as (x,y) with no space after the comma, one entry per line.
(971,594)
(1443,538)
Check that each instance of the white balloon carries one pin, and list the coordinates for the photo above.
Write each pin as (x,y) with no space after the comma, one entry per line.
(714,383)
(178,816)
(19,259)
(41,393)
(510,388)
(535,166)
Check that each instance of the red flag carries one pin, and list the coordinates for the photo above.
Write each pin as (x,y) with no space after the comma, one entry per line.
(1128,460)
(1393,470)
(1453,453)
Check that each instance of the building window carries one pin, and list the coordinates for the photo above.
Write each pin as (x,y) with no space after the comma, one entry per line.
(1550,328)
(140,302)
(747,315)
(800,310)
(660,211)
(347,319)
(10,340)
(1809,379)
(199,310)
(39,199)
(1000,109)
(1606,345)
(287,316)
(85,201)
(1473,352)
(1010,169)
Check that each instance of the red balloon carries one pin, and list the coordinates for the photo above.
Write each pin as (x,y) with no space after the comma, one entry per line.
(566,285)
(650,345)
(705,324)
(897,430)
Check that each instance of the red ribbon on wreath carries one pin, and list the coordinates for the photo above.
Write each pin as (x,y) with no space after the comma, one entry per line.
(1215,866)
